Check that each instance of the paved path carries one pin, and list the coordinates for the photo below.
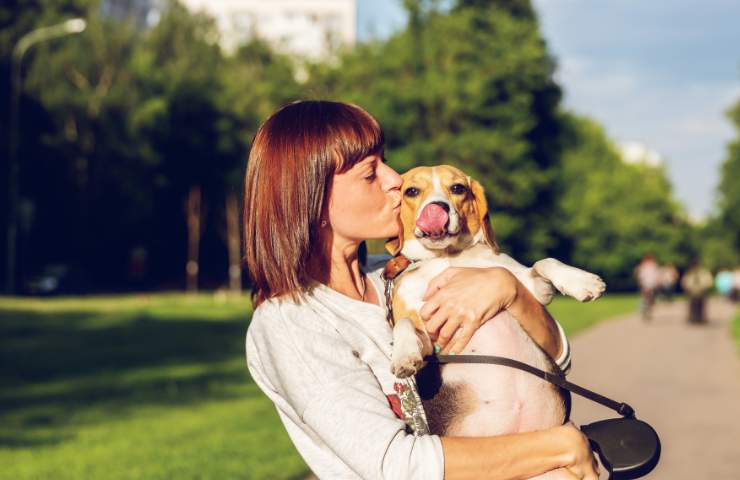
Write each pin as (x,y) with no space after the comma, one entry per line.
(684,380)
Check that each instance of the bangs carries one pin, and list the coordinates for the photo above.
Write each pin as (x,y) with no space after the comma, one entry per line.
(356,134)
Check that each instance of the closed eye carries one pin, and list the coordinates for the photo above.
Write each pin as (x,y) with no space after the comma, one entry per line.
(372,173)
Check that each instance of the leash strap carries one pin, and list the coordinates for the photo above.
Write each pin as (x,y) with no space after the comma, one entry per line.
(556,379)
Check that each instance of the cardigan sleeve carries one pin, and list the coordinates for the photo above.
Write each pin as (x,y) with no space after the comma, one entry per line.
(319,385)
(563,361)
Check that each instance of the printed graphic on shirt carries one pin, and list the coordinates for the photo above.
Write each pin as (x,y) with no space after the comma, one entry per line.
(395,404)
(412,410)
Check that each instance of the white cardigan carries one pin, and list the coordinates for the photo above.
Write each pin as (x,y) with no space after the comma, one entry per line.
(325,364)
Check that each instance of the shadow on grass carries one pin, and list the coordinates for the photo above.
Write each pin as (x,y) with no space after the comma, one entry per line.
(24,442)
(102,366)
(36,347)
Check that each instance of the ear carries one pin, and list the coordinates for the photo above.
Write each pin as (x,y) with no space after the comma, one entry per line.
(481,209)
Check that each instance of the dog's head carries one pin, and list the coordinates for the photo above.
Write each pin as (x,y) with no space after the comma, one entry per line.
(443,211)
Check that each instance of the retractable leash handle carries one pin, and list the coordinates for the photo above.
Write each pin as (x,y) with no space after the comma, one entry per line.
(628,448)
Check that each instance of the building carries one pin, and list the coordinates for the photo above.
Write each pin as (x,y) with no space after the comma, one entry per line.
(144,13)
(636,152)
(306,28)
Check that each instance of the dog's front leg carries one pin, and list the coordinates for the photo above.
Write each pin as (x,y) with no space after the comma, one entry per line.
(410,346)
(571,281)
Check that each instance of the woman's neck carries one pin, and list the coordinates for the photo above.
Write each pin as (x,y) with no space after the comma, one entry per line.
(341,270)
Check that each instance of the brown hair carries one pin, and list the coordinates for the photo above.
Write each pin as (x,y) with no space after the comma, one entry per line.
(292,161)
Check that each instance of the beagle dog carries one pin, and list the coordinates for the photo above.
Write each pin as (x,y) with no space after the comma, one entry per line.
(444,217)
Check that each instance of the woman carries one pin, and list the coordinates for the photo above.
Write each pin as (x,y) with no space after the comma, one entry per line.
(319,345)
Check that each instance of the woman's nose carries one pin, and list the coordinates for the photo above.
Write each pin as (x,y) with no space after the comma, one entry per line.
(392,179)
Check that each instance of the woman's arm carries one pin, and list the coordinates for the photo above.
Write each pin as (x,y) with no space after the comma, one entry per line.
(464,298)
(520,455)
(533,316)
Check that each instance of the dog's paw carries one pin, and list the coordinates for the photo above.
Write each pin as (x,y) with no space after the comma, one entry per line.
(581,285)
(407,366)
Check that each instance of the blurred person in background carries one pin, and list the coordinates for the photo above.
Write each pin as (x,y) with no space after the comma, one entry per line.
(668,280)
(735,296)
(648,277)
(319,343)
(724,281)
(696,282)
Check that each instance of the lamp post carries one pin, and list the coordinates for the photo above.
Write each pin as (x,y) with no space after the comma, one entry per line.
(74,25)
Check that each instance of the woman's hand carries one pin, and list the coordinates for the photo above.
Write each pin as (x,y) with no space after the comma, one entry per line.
(580,462)
(463,299)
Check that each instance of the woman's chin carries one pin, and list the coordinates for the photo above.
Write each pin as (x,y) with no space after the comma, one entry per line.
(383,234)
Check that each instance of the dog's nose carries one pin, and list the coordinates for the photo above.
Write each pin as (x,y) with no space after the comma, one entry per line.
(444,206)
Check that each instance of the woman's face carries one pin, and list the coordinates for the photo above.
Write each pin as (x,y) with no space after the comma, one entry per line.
(365,201)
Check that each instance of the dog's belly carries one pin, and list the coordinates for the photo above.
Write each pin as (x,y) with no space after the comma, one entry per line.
(495,399)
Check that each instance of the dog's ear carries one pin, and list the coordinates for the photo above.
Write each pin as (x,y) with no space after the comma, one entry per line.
(481,210)
(394,245)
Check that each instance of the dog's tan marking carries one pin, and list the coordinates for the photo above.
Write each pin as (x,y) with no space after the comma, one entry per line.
(400,310)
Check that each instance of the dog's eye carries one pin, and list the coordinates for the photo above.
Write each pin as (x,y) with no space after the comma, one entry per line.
(411,192)
(458,189)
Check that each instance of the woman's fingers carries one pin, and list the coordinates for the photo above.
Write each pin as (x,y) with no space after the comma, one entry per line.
(428,309)
(461,338)
(584,465)
(439,281)
(448,330)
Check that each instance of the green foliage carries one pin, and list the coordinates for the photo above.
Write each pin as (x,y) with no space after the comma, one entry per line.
(612,212)
(471,88)
(127,121)
(135,119)
(725,227)
(718,248)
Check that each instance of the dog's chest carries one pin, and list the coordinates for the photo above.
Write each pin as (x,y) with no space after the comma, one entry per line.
(413,283)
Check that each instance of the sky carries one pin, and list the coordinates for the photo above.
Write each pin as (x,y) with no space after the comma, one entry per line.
(659,72)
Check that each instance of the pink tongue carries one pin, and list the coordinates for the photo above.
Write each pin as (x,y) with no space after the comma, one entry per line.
(432,220)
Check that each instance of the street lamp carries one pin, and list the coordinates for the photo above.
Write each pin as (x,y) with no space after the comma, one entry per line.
(74,25)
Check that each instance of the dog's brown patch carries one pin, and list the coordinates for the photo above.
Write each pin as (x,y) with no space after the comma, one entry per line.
(444,404)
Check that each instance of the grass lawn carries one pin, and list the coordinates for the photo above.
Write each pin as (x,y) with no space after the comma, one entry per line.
(736,328)
(150,387)
(575,316)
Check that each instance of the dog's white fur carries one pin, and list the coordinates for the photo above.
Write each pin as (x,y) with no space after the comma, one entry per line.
(538,279)
(497,400)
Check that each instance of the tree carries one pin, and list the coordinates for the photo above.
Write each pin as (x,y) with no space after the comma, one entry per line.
(612,213)
(729,187)
(479,95)
(721,236)
(84,87)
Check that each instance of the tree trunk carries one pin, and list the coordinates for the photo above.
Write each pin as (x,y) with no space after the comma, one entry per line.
(193,213)
(233,244)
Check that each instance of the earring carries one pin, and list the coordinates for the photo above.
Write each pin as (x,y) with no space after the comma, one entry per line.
(323,223)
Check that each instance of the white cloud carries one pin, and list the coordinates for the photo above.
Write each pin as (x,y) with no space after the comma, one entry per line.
(685,123)
(664,81)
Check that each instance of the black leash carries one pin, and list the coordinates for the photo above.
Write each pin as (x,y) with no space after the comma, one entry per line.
(556,379)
